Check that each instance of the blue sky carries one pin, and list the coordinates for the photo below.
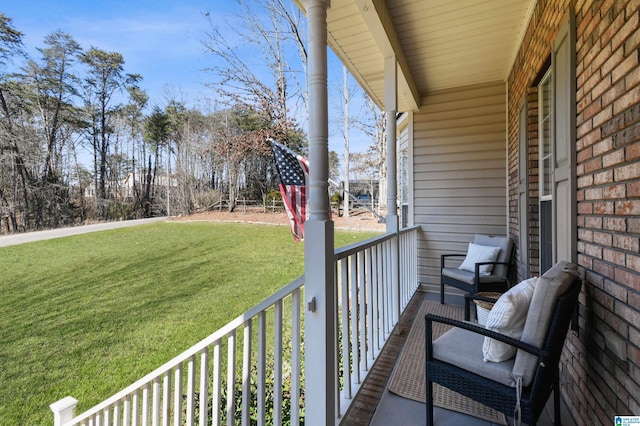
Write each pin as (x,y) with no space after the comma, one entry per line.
(162,40)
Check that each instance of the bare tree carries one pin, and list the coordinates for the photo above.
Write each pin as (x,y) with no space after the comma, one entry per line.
(157,130)
(373,126)
(15,176)
(53,84)
(134,117)
(270,85)
(105,78)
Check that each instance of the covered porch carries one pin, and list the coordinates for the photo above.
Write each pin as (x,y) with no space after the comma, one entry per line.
(515,118)
(508,117)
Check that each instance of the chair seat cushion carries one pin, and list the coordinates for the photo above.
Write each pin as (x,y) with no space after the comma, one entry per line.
(477,253)
(463,349)
(468,277)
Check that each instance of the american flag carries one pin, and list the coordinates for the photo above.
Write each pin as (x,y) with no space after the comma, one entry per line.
(294,173)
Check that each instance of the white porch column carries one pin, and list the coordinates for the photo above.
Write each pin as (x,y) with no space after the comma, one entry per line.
(391,110)
(320,313)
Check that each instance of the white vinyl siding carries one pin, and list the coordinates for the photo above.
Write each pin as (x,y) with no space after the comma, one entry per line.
(459,172)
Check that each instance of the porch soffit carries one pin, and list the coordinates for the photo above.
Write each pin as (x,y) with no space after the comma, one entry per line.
(439,44)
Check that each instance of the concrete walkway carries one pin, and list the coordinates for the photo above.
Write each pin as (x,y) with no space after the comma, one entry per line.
(28,237)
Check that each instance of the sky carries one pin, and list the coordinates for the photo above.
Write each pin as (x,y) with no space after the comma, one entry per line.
(162,40)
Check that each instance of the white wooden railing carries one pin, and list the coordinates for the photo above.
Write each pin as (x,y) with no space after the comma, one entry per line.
(368,290)
(257,358)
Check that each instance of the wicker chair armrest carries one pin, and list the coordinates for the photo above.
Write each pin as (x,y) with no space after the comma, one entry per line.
(477,296)
(444,257)
(479,264)
(491,263)
(430,318)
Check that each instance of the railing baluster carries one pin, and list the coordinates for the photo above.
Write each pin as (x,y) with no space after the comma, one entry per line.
(295,357)
(262,368)
(353,282)
(177,396)
(336,351)
(373,283)
(362,305)
(405,279)
(412,281)
(246,374)
(379,289)
(166,397)
(414,260)
(217,384)
(385,288)
(231,377)
(126,412)
(344,336)
(204,387)
(191,389)
(402,283)
(155,414)
(388,281)
(145,405)
(116,414)
(412,263)
(408,262)
(277,363)
(370,306)
(134,409)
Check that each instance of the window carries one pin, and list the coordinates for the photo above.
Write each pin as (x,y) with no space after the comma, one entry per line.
(404,188)
(557,152)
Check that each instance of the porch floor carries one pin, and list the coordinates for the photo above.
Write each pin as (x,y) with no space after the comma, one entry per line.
(375,405)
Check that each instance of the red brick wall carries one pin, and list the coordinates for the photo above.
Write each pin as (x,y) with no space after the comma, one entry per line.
(601,363)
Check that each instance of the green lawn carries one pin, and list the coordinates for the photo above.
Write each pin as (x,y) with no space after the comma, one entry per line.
(87,315)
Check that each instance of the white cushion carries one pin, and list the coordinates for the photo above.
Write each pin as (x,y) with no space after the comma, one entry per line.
(477,254)
(507,317)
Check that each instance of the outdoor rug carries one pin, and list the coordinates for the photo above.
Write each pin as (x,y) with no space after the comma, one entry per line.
(409,381)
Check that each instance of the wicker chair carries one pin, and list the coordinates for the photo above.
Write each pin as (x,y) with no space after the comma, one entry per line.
(498,280)
(520,386)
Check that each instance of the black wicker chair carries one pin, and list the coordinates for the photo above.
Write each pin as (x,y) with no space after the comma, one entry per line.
(499,280)
(455,364)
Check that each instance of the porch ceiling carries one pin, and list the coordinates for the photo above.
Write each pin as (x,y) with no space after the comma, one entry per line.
(439,44)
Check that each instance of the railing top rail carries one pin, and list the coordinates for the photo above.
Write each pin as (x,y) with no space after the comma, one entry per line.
(195,349)
(354,248)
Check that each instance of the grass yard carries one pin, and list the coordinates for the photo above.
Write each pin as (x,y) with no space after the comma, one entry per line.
(87,315)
